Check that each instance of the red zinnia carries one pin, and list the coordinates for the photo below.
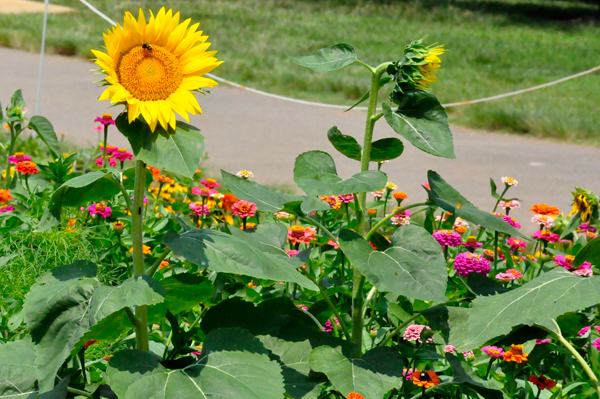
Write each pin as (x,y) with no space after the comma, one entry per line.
(27,168)
(542,382)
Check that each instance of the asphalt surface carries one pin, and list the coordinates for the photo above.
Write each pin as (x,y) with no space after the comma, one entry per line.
(264,135)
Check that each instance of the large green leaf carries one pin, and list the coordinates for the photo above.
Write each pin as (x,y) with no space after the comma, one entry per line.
(447,198)
(186,290)
(421,119)
(546,297)
(347,145)
(463,374)
(17,369)
(266,199)
(328,59)
(222,252)
(176,150)
(386,149)
(378,371)
(589,253)
(412,266)
(67,302)
(234,365)
(315,173)
(45,131)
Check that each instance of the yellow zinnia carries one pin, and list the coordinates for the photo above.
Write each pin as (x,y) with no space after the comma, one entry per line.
(154,66)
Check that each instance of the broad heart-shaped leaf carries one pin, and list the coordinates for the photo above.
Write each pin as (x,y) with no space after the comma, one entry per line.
(177,150)
(17,369)
(447,198)
(421,119)
(186,290)
(65,303)
(266,199)
(328,59)
(546,297)
(386,149)
(16,101)
(463,374)
(412,266)
(222,252)
(234,365)
(378,371)
(45,131)
(315,173)
(347,145)
(589,253)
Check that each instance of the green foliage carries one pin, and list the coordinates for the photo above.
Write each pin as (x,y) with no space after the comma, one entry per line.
(381,150)
(328,59)
(45,131)
(17,368)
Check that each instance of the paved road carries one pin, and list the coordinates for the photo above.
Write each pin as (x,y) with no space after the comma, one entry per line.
(248,131)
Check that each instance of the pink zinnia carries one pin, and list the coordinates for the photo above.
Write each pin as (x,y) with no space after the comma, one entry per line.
(210,183)
(292,252)
(468,355)
(100,209)
(413,333)
(472,243)
(585,270)
(512,222)
(493,351)
(586,227)
(346,198)
(18,157)
(203,191)
(514,204)
(298,234)
(449,349)
(333,244)
(401,218)
(546,235)
(509,275)
(122,155)
(109,148)
(596,344)
(111,161)
(408,373)
(543,341)
(6,208)
(105,119)
(543,220)
(584,331)
(466,263)
(244,209)
(448,238)
(516,244)
(564,261)
(199,209)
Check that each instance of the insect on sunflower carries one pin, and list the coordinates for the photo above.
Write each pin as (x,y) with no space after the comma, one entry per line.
(153,67)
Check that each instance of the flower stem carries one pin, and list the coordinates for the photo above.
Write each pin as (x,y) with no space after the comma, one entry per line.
(388,217)
(359,279)
(11,147)
(104,149)
(398,329)
(156,264)
(137,232)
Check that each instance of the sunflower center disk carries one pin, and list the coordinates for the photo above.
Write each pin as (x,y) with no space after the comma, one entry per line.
(150,74)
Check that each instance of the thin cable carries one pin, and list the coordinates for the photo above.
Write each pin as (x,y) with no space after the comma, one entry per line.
(39,86)
(266,94)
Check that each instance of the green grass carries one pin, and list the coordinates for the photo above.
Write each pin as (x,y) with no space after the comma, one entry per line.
(494,46)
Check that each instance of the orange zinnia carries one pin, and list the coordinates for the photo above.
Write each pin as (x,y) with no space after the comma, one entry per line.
(426,379)
(400,195)
(545,209)
(145,249)
(515,354)
(163,264)
(354,395)
(227,202)
(5,196)
(27,168)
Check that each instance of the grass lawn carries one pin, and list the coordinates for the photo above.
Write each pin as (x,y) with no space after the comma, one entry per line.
(493,47)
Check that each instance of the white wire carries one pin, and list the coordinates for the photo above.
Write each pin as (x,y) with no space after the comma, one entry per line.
(39,86)
(266,94)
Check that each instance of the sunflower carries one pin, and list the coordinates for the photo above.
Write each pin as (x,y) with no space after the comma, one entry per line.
(154,66)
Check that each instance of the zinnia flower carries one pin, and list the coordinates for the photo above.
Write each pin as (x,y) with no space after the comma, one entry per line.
(426,379)
(584,331)
(153,66)
(596,344)
(346,198)
(292,252)
(6,208)
(543,341)
(282,215)
(408,373)
(354,395)
(5,196)
(203,191)
(244,209)
(111,161)
(512,204)
(516,244)
(227,202)
(449,349)
(543,220)
(472,243)
(400,195)
(545,209)
(378,194)
(515,354)
(401,218)
(244,174)
(447,238)
(391,186)
(509,181)
(199,209)
(105,119)
(210,183)
(118,225)
(542,382)
(509,275)
(122,155)
(18,157)
(564,261)
(100,209)
(546,235)
(333,201)
(466,263)
(298,234)
(27,168)
(493,351)
(145,249)
(413,333)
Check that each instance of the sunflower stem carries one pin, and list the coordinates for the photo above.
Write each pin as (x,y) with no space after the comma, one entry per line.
(359,279)
(137,232)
